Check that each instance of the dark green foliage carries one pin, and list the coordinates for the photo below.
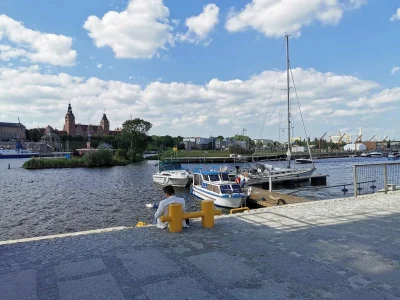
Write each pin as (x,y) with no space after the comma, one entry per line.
(101,158)
(135,132)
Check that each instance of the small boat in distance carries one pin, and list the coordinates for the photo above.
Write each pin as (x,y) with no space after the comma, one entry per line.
(304,161)
(171,173)
(394,156)
(376,154)
(18,152)
(217,186)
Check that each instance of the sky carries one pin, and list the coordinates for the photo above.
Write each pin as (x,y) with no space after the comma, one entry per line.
(201,68)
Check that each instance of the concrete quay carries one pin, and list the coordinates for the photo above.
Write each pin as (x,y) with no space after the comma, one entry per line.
(333,249)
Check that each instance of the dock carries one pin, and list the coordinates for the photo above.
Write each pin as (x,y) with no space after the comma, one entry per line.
(331,249)
(266,198)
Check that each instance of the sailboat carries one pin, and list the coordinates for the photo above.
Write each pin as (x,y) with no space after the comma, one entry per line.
(262,173)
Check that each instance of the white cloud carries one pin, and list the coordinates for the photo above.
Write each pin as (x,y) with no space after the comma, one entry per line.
(200,26)
(99,66)
(224,121)
(395,70)
(396,16)
(178,108)
(139,31)
(34,46)
(274,18)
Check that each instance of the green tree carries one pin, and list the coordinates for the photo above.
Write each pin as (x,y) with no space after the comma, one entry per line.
(220,138)
(249,141)
(135,132)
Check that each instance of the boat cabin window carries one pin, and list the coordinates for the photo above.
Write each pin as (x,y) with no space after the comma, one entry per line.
(214,177)
(216,189)
(236,188)
(205,178)
(196,179)
(225,177)
(225,189)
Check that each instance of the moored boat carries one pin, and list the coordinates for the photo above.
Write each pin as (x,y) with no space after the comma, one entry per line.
(18,152)
(217,186)
(304,161)
(171,173)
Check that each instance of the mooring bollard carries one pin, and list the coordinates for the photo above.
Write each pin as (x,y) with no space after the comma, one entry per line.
(176,215)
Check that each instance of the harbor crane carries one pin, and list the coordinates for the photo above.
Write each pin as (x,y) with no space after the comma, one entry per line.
(319,142)
(372,138)
(359,137)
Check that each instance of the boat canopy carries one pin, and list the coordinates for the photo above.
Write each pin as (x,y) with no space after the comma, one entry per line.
(169,166)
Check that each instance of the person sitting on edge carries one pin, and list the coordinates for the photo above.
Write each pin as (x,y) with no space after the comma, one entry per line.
(163,206)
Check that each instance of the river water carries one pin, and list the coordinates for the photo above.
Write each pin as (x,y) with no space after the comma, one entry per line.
(52,201)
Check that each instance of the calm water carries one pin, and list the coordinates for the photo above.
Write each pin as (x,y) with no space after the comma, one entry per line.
(43,202)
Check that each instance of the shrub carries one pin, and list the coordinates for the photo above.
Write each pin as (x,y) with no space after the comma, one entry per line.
(100,158)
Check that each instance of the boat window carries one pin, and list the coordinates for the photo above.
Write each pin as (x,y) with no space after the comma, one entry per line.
(196,179)
(205,177)
(214,177)
(216,189)
(225,177)
(210,187)
(236,188)
(225,189)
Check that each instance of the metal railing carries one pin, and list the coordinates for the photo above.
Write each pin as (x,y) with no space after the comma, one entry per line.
(372,178)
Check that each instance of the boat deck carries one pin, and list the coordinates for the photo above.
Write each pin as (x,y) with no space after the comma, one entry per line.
(315,180)
(266,198)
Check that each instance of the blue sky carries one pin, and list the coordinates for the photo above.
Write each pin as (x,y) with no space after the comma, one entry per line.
(200,68)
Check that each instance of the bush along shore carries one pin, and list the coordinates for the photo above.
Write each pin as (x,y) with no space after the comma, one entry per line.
(95,159)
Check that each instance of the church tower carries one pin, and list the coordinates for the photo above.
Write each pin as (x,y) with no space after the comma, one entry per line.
(69,125)
(105,124)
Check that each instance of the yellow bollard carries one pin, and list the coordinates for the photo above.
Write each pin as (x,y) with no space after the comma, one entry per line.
(175,213)
(207,207)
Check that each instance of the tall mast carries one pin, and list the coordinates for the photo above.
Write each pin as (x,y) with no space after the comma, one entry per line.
(289,152)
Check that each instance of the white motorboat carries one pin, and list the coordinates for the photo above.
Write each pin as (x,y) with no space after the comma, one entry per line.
(217,186)
(171,173)
(366,154)
(304,161)
(376,154)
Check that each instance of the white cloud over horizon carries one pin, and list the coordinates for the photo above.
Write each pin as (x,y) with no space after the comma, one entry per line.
(140,31)
(274,18)
(395,70)
(199,27)
(34,46)
(396,16)
(178,108)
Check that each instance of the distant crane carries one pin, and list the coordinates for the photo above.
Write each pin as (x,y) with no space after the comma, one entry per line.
(359,137)
(340,140)
(372,138)
(319,142)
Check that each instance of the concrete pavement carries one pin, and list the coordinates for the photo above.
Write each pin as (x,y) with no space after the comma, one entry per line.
(333,249)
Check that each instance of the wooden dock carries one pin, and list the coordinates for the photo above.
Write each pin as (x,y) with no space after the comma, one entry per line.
(266,198)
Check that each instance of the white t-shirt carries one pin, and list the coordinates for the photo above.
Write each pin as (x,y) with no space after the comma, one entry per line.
(163,210)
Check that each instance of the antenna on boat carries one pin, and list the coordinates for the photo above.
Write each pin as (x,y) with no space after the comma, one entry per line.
(289,151)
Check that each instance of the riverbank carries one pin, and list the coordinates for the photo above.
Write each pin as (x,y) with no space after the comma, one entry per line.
(334,249)
(94,160)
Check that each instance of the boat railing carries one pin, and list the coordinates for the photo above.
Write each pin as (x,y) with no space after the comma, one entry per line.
(372,178)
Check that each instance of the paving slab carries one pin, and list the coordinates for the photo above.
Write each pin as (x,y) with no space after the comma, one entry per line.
(18,285)
(146,263)
(222,267)
(100,287)
(179,288)
(80,268)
